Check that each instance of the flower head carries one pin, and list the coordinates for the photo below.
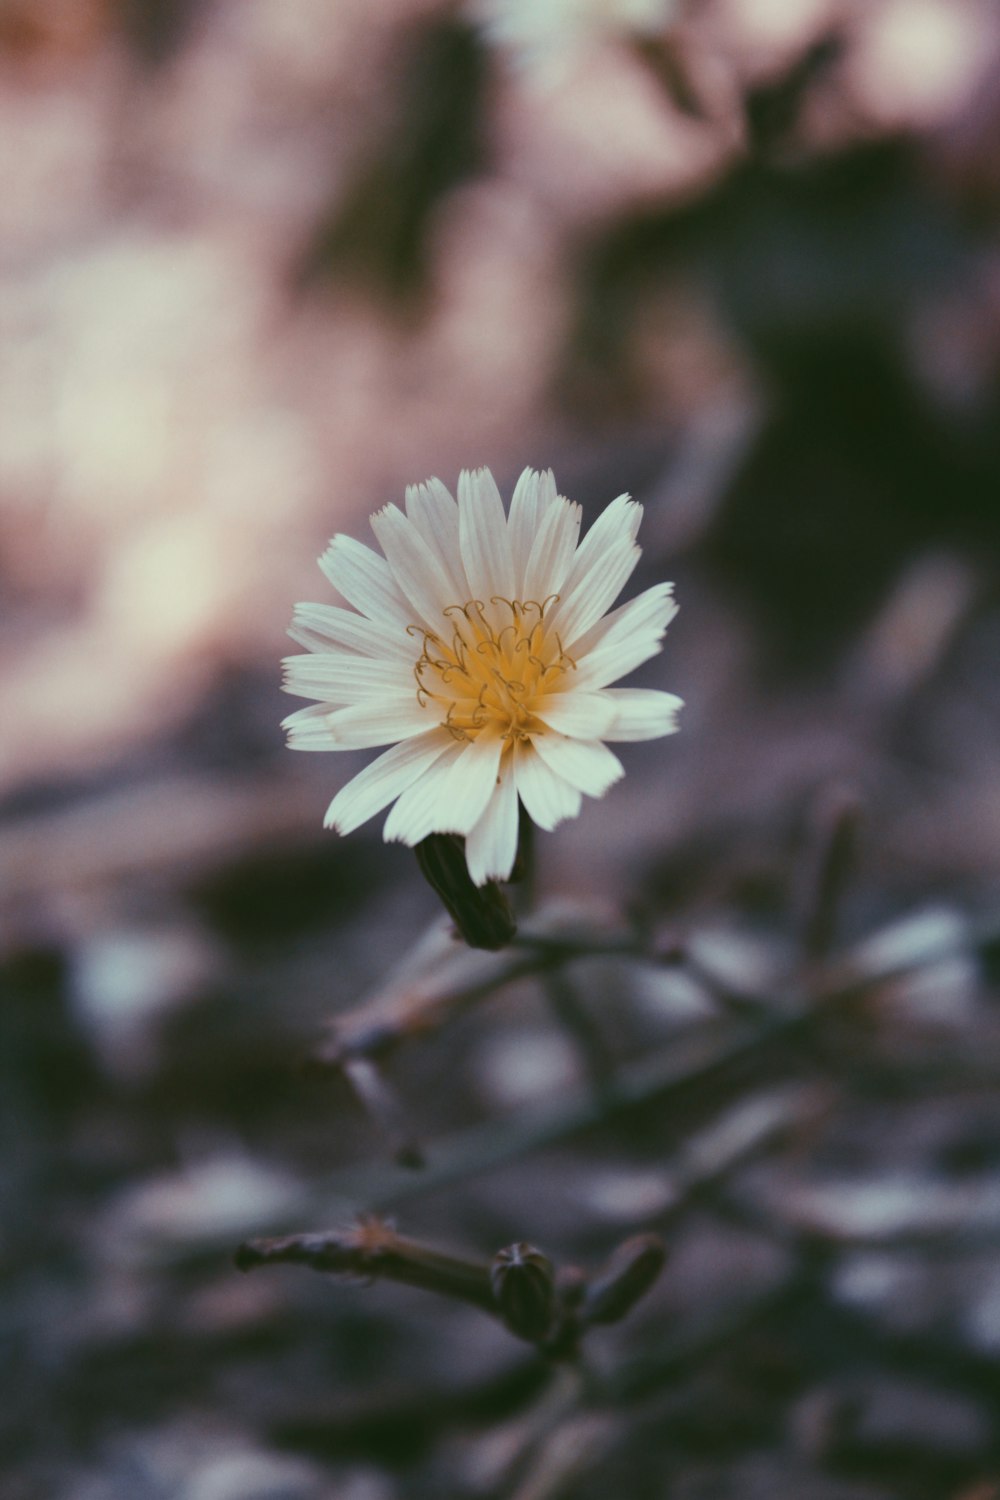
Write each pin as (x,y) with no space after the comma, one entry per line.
(480,650)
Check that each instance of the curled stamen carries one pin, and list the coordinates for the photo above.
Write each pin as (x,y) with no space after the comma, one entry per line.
(463,609)
(482,622)
(516,732)
(564,655)
(512,604)
(487,673)
(423,694)
(455,730)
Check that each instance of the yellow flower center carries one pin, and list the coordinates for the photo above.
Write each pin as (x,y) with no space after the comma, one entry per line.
(484,674)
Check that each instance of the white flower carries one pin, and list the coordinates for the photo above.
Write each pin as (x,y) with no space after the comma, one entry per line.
(548,34)
(480,650)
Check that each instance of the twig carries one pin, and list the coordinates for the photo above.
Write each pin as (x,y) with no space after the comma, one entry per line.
(686,1065)
(567,1453)
(422,1003)
(949,1237)
(677,1360)
(828,865)
(372,1248)
(379,1025)
(626,1277)
(520,1286)
(385,1107)
(574,1018)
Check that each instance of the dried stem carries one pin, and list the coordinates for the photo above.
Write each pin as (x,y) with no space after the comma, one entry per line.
(574,1018)
(372,1248)
(520,1286)
(400,1010)
(829,864)
(385,1107)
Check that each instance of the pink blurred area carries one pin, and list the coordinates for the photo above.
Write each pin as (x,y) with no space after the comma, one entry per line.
(183,427)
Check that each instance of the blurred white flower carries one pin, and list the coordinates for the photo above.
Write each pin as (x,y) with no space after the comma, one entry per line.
(480,650)
(548,34)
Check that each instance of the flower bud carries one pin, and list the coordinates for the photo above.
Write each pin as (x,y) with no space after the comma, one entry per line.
(480,912)
(523,1282)
(627,1276)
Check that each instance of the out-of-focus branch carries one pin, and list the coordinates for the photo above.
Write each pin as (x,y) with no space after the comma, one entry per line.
(418,1002)
(371,1248)
(520,1286)
(386,1108)
(828,865)
(441,979)
(572,1015)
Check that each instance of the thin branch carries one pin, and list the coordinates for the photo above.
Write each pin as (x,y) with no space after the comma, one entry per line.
(828,866)
(386,1108)
(372,1248)
(574,1018)
(520,1286)
(458,978)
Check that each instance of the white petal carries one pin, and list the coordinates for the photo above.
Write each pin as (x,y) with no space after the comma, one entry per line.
(552,551)
(415,814)
(586,764)
(451,795)
(472,783)
(342,677)
(522,519)
(617,523)
(486,552)
(601,567)
(415,567)
(376,722)
(618,644)
(547,797)
(435,515)
(653,607)
(320,626)
(382,782)
(365,580)
(642,713)
(583,714)
(491,845)
(307,728)
(533,494)
(595,593)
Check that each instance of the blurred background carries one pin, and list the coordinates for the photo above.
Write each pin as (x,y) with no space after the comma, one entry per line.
(264,264)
